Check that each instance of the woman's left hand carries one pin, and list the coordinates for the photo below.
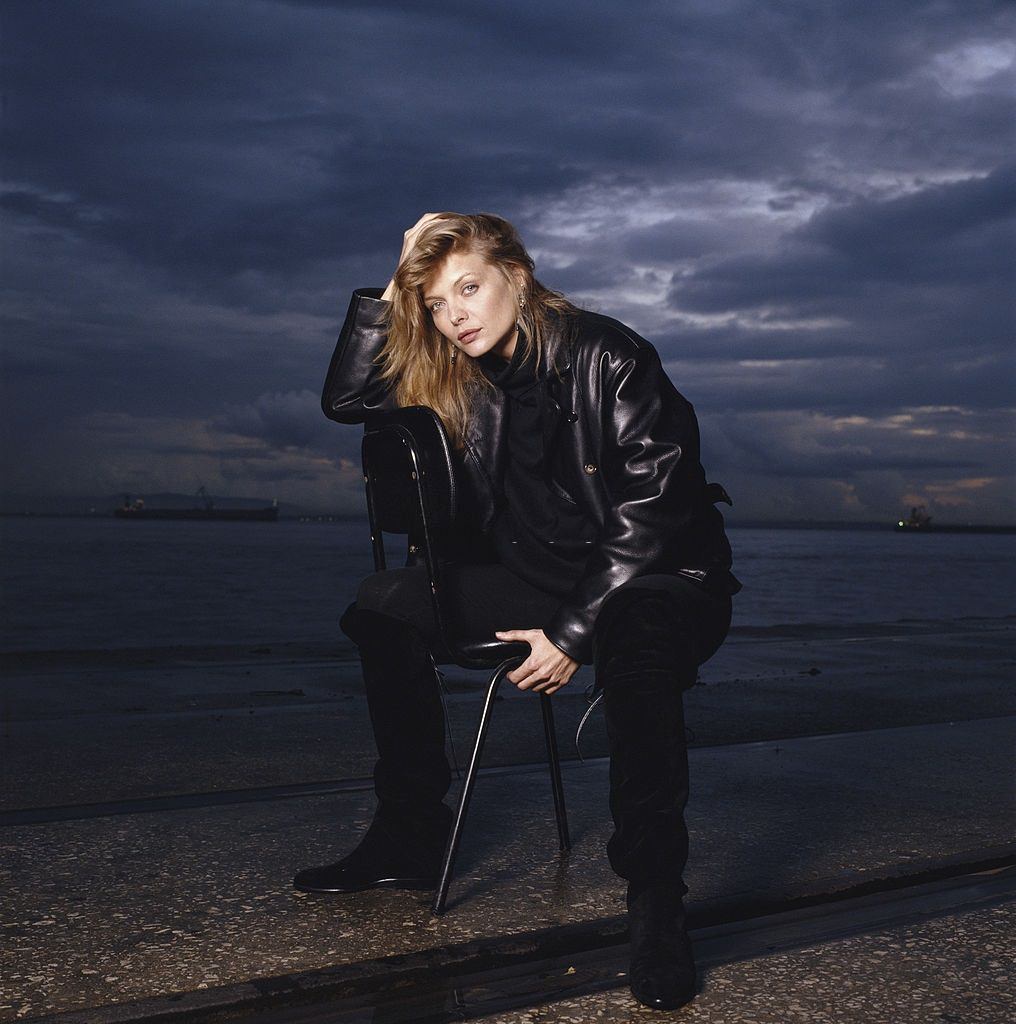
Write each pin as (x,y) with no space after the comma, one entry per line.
(546,669)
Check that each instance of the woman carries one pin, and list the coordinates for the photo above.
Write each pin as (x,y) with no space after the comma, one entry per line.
(594,539)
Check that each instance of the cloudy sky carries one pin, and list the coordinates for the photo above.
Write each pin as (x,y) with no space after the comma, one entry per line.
(807,207)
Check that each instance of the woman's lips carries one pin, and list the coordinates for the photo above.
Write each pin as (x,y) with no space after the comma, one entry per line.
(467,336)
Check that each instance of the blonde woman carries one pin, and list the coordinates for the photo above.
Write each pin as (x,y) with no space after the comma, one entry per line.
(589,532)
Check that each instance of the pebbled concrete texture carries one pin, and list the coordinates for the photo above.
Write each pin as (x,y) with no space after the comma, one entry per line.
(954,970)
(115,909)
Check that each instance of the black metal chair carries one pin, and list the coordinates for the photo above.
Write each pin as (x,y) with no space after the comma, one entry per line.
(412,490)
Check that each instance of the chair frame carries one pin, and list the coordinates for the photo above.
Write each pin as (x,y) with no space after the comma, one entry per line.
(427,477)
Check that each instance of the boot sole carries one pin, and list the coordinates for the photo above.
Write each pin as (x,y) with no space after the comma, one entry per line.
(673,1003)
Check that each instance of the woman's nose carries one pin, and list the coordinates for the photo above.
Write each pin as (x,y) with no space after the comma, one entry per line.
(457,316)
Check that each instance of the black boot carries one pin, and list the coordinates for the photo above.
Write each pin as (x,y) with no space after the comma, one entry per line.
(645,656)
(662,973)
(386,858)
(405,844)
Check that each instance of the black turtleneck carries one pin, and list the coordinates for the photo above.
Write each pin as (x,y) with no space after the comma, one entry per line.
(537,534)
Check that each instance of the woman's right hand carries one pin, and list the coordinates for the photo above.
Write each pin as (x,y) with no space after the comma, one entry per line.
(408,244)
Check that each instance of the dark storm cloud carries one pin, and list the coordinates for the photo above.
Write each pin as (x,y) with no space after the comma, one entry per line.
(290,420)
(959,234)
(171,123)
(887,236)
(807,207)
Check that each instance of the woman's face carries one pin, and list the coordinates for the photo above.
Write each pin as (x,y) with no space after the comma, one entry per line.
(473,305)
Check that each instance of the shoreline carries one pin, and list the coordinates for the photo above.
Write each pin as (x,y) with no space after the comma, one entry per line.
(730,522)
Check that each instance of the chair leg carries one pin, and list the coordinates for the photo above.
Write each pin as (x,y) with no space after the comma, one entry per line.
(546,703)
(441,896)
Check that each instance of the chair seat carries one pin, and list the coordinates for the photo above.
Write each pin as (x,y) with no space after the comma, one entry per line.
(483,653)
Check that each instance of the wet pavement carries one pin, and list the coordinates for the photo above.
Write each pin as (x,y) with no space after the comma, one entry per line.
(122,908)
(957,969)
(137,906)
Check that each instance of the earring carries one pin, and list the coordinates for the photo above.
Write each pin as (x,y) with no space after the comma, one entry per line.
(522,298)
(455,354)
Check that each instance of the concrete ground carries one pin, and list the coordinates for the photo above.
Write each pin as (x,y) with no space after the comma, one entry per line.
(957,969)
(896,751)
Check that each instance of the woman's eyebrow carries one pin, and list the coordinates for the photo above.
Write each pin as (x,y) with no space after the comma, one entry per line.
(427,298)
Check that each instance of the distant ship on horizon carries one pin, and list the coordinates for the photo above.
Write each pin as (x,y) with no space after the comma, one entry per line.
(207,510)
(919,521)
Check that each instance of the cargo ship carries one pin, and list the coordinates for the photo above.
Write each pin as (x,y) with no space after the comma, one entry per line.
(920,522)
(207,510)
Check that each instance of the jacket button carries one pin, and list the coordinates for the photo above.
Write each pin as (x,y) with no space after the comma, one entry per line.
(572,417)
(590,468)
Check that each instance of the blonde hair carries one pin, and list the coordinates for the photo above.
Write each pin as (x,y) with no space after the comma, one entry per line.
(417,356)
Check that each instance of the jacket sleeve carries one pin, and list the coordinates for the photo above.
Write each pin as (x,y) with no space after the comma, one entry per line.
(354,388)
(651,471)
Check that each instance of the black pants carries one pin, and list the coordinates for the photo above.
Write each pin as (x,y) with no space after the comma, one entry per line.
(651,635)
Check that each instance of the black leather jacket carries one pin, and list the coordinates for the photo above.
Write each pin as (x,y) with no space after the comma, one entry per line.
(620,441)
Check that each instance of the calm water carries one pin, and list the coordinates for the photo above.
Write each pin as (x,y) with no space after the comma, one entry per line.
(100,583)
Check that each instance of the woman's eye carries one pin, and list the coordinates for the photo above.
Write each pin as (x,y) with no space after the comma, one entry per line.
(435,306)
(469,289)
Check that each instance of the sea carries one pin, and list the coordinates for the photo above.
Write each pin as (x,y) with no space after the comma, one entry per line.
(77,584)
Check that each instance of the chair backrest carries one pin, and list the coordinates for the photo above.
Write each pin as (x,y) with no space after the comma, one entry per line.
(412,489)
(410,478)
